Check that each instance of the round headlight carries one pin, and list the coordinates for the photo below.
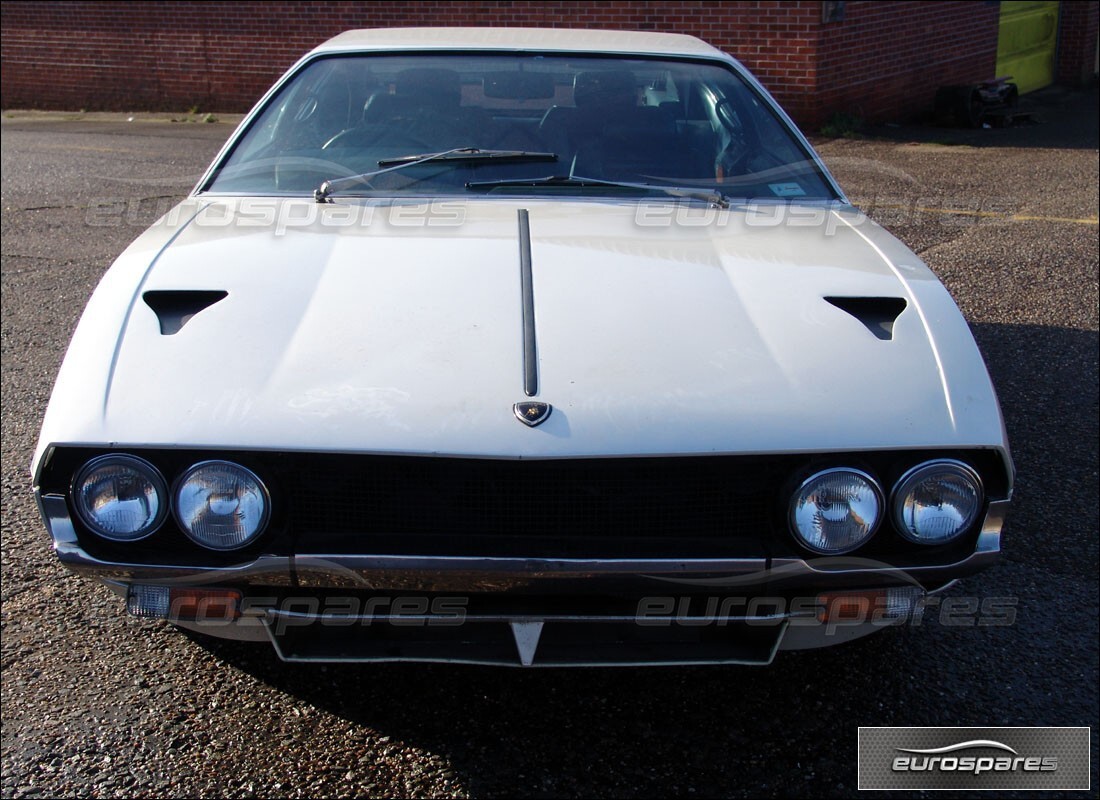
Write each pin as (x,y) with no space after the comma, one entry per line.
(221,505)
(120,497)
(937,501)
(836,510)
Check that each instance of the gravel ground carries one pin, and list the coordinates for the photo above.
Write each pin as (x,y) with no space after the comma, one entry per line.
(99,704)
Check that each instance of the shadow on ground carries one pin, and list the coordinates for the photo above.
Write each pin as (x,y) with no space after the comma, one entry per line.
(1055,117)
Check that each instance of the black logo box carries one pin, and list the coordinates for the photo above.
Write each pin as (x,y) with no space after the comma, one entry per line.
(1051,759)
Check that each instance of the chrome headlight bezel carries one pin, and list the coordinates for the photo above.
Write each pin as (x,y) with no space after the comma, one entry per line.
(142,468)
(189,473)
(800,493)
(922,472)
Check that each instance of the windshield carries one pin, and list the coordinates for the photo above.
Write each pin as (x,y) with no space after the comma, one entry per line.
(612,120)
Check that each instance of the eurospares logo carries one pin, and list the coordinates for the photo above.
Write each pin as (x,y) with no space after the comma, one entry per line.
(1055,759)
(950,759)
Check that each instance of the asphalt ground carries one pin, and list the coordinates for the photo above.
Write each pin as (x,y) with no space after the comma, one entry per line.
(96,703)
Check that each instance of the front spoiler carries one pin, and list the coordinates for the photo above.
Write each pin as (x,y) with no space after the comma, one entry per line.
(543,641)
(662,631)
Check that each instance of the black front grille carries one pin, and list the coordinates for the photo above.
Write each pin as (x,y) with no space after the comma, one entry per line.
(641,507)
(664,507)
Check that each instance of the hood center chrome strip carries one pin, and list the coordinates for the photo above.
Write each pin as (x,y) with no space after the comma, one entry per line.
(530,348)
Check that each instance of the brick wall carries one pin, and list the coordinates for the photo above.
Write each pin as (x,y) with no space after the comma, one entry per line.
(1077,33)
(883,60)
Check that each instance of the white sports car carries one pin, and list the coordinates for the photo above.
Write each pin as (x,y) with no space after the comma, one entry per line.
(516,346)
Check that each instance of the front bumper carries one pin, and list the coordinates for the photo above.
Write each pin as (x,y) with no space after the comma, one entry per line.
(513,616)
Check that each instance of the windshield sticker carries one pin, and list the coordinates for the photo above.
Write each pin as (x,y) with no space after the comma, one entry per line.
(786,189)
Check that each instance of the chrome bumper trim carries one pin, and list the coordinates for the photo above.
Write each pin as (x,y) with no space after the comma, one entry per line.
(480,574)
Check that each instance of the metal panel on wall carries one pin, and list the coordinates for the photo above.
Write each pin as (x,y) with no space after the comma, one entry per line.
(1026,43)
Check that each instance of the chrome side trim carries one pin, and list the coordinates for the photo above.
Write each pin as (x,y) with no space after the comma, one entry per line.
(989,540)
(951,584)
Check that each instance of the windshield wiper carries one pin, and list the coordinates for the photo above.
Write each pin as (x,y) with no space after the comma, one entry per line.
(460,154)
(717,198)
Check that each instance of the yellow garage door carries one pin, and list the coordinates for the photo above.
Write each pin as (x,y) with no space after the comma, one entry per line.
(1026,43)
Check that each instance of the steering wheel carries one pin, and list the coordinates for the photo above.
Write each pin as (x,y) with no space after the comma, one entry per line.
(361,137)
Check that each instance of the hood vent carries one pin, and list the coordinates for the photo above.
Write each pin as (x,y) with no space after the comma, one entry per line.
(876,313)
(175,309)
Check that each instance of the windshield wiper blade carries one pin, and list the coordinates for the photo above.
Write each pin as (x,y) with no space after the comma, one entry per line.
(709,196)
(325,190)
(471,154)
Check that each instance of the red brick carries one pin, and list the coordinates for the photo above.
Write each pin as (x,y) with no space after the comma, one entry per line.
(884,59)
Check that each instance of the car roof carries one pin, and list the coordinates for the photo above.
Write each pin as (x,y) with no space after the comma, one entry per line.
(525,39)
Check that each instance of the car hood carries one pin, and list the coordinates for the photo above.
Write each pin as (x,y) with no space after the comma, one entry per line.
(661,328)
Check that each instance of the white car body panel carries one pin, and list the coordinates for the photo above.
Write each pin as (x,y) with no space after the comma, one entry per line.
(520,40)
(709,336)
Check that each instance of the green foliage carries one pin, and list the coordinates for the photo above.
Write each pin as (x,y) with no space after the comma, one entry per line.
(843,125)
